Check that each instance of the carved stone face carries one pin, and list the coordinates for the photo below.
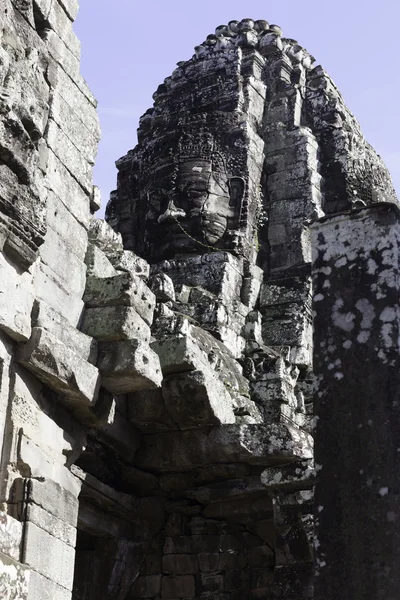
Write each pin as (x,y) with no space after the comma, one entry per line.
(201,208)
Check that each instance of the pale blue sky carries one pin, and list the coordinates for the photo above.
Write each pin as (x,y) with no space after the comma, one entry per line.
(130,46)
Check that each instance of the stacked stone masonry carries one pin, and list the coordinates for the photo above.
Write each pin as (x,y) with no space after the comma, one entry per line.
(156,367)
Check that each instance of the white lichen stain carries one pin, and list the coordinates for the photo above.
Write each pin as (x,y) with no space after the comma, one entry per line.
(370,482)
(387,257)
(341,262)
(325,270)
(342,320)
(372,266)
(367,311)
(386,333)
(318,297)
(363,337)
(314,421)
(347,344)
(383,491)
(338,375)
(320,508)
(388,278)
(388,314)
(382,356)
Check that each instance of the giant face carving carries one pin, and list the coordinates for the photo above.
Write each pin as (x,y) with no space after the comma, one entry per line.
(201,210)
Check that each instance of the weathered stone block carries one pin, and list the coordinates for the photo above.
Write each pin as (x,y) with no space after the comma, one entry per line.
(132,263)
(62,222)
(74,128)
(11,536)
(42,588)
(57,255)
(39,427)
(180,564)
(124,289)
(297,476)
(49,556)
(163,287)
(22,208)
(78,95)
(197,349)
(209,562)
(211,582)
(252,444)
(105,238)
(50,289)
(115,323)
(71,7)
(147,412)
(34,462)
(147,587)
(220,273)
(287,325)
(16,301)
(178,586)
(284,291)
(62,54)
(59,21)
(98,264)
(197,399)
(68,190)
(128,366)
(60,367)
(57,528)
(70,156)
(14,579)
(152,564)
(47,318)
(179,354)
(252,280)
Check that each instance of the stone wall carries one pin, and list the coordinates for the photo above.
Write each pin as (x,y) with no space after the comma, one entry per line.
(156,369)
(357,403)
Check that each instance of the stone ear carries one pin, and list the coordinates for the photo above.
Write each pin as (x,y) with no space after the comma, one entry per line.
(236,190)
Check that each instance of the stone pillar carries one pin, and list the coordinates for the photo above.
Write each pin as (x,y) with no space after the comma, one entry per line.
(356,268)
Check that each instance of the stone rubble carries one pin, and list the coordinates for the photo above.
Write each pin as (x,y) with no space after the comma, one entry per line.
(156,367)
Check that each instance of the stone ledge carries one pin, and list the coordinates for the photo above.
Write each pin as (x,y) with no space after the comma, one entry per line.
(59,367)
(128,366)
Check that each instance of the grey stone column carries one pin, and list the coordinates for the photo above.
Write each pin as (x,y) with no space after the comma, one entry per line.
(356,265)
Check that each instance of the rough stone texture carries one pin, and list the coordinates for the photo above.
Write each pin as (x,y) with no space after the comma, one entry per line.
(156,367)
(357,403)
(14,579)
(128,366)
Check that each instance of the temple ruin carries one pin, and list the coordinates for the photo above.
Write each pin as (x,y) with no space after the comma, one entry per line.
(163,372)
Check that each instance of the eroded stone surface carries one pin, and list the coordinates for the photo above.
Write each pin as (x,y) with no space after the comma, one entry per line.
(156,368)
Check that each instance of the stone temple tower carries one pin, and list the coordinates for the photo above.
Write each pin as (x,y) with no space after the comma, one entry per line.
(157,368)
